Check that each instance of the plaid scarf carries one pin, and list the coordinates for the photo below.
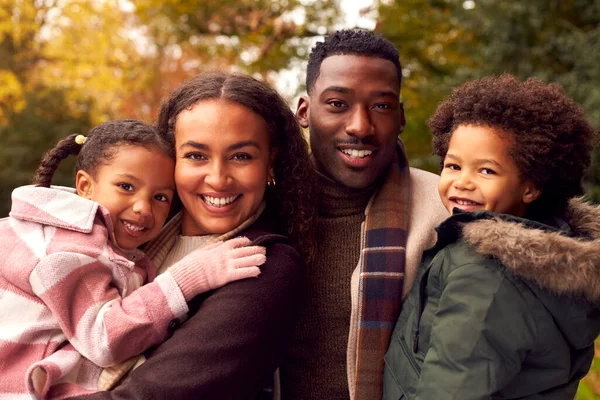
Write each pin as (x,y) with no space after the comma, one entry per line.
(381,276)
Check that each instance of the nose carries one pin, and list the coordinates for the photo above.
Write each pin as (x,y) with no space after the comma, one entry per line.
(218,176)
(360,124)
(143,206)
(464,181)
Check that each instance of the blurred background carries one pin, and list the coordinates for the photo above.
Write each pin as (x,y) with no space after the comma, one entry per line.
(66,66)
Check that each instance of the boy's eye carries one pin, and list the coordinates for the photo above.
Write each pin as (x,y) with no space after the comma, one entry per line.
(487,171)
(453,167)
(125,186)
(162,197)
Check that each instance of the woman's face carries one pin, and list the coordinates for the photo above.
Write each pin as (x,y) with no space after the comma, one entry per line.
(223,164)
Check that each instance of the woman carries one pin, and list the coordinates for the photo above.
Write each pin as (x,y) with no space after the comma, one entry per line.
(241,169)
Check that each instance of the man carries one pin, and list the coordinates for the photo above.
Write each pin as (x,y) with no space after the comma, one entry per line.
(375,218)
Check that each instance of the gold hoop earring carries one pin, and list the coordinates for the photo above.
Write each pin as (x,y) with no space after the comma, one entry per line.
(271,183)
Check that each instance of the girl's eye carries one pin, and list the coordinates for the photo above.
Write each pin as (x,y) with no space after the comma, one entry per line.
(161,197)
(453,167)
(195,156)
(487,171)
(126,186)
(242,157)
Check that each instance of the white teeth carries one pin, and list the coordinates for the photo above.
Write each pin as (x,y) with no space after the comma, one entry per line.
(133,227)
(219,201)
(357,153)
(465,202)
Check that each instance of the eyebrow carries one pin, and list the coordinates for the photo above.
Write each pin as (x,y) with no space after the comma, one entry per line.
(129,176)
(235,146)
(376,93)
(338,89)
(136,179)
(478,160)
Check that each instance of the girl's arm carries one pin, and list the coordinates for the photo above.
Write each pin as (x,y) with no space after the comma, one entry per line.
(480,335)
(231,345)
(80,292)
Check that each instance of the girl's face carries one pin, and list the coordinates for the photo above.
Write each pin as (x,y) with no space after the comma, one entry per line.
(137,188)
(479,173)
(223,164)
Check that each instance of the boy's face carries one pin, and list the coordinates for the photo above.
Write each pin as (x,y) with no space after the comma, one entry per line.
(479,173)
(355,116)
(137,188)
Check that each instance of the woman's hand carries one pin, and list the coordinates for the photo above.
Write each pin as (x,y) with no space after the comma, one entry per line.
(217,264)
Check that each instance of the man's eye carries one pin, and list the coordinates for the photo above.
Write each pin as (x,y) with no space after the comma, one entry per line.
(382,106)
(126,186)
(336,104)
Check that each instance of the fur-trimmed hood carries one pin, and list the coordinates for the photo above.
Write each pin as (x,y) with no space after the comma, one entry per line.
(562,268)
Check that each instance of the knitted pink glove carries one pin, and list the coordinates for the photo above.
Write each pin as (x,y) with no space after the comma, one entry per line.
(217,264)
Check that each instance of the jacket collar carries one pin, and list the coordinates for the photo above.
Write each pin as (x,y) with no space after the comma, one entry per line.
(563,260)
(61,207)
(56,206)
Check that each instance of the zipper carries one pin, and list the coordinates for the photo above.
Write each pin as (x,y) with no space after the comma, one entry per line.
(422,289)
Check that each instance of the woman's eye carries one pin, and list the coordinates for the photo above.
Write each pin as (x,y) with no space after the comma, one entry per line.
(194,156)
(126,186)
(242,157)
(161,197)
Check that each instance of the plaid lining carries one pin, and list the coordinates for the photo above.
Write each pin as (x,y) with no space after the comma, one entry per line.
(381,276)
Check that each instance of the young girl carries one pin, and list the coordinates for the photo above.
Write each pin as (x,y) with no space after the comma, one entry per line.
(506,304)
(71,294)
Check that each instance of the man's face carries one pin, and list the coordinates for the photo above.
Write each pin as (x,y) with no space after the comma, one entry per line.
(354,117)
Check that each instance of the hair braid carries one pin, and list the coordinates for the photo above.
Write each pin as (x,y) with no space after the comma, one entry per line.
(52,159)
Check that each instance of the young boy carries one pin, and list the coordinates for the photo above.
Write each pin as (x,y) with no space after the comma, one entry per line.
(506,304)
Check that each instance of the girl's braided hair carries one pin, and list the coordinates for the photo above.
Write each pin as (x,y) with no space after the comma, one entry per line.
(100,146)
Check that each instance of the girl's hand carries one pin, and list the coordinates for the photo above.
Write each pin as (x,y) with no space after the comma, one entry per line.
(217,264)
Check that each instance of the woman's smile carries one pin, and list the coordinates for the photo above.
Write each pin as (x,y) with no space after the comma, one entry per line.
(223,164)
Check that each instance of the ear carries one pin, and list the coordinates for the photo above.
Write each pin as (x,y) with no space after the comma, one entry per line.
(84,183)
(302,111)
(272,158)
(402,117)
(530,194)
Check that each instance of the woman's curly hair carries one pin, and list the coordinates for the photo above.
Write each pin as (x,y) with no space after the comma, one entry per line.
(552,138)
(291,200)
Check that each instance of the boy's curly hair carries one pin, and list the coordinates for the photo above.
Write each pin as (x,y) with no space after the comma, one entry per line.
(291,200)
(552,138)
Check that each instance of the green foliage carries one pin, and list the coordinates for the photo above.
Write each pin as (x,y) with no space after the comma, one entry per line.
(30,133)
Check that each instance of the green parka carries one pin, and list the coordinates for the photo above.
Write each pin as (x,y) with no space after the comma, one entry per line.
(504,308)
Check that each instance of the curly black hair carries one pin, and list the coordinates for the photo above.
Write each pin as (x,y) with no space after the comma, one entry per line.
(553,139)
(101,145)
(291,200)
(357,42)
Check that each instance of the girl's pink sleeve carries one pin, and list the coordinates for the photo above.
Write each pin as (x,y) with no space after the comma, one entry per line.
(81,292)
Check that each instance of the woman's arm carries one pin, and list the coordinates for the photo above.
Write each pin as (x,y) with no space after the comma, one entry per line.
(481,333)
(231,345)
